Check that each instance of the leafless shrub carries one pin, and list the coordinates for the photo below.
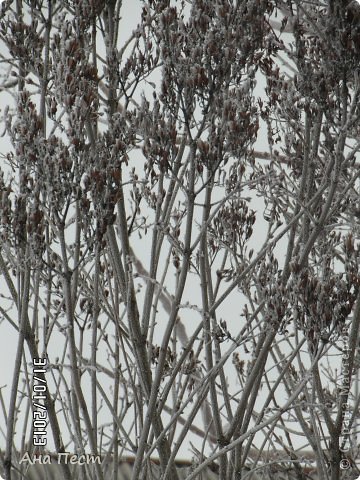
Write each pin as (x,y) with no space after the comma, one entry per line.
(169,239)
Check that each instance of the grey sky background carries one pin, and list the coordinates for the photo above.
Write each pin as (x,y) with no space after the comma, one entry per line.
(229,311)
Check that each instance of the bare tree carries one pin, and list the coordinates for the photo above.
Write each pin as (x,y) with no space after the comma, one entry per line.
(179,235)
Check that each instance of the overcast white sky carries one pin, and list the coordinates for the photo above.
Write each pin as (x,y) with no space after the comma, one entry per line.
(231,313)
(228,311)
